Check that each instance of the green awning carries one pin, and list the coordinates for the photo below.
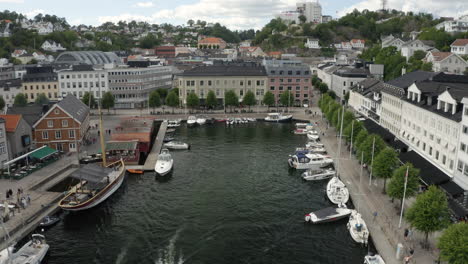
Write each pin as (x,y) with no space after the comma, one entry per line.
(42,153)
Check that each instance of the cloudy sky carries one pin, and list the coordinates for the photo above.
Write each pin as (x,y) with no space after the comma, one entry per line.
(236,14)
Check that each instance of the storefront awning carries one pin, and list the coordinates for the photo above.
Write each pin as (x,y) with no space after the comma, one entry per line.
(452,188)
(42,153)
(429,174)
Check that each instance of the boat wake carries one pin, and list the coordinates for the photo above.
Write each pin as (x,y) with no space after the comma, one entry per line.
(168,255)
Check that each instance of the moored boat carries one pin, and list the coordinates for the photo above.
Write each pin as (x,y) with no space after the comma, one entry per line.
(317,175)
(313,135)
(135,171)
(33,252)
(201,120)
(49,221)
(173,123)
(337,192)
(164,163)
(328,214)
(305,160)
(372,258)
(191,121)
(357,228)
(176,145)
(278,118)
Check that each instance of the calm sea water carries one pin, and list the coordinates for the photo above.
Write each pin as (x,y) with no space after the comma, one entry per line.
(230,199)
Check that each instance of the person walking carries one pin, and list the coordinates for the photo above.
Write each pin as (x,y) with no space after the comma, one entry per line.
(405,234)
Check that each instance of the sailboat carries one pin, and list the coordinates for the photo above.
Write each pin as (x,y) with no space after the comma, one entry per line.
(97,182)
(358,228)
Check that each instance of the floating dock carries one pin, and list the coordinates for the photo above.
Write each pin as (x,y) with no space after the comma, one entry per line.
(156,149)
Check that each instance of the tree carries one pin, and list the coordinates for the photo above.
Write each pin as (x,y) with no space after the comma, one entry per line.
(384,165)
(20,100)
(190,22)
(287,99)
(332,94)
(211,100)
(154,100)
(172,100)
(41,99)
(269,99)
(231,99)
(366,147)
(352,130)
(323,87)
(108,101)
(396,186)
(192,100)
(430,212)
(162,93)
(249,99)
(2,103)
(453,244)
(149,42)
(87,98)
(303,19)
(361,136)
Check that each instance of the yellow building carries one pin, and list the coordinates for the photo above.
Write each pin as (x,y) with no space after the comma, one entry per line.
(40,80)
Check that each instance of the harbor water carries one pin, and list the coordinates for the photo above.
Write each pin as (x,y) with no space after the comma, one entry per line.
(230,199)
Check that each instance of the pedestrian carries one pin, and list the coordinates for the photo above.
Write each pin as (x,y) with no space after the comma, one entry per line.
(28,198)
(98,133)
(411,252)
(375,215)
(405,234)
(407,259)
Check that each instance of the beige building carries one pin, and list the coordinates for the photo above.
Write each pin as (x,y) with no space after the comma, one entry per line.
(40,80)
(222,78)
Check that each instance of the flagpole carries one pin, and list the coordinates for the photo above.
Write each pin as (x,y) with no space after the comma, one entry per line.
(352,132)
(360,177)
(339,144)
(404,196)
(372,161)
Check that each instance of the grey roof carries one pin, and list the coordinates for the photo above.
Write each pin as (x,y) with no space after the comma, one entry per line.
(369,86)
(30,113)
(408,79)
(347,71)
(10,83)
(74,107)
(87,57)
(226,70)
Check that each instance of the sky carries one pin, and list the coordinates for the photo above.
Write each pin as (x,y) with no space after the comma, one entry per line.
(235,14)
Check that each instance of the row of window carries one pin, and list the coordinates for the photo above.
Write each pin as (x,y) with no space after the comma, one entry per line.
(58,134)
(289,80)
(281,72)
(280,88)
(2,148)
(78,76)
(234,82)
(82,85)
(218,92)
(31,87)
(50,123)
(49,95)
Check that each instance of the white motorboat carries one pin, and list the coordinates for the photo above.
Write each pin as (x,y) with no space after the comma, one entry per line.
(304,161)
(32,252)
(176,145)
(278,118)
(201,120)
(311,144)
(358,228)
(313,135)
(317,149)
(337,191)
(173,123)
(5,255)
(164,163)
(317,175)
(300,131)
(191,121)
(373,259)
(302,125)
(251,119)
(328,214)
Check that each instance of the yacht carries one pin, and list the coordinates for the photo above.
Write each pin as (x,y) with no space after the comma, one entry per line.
(32,252)
(278,118)
(176,145)
(201,120)
(191,121)
(313,135)
(164,163)
(305,160)
(173,123)
(373,259)
(302,125)
(337,191)
(314,143)
(5,255)
(313,149)
(317,175)
(358,228)
(300,131)
(328,214)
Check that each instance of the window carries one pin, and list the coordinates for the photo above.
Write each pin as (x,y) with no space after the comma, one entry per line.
(50,123)
(424,146)
(72,145)
(272,88)
(64,123)
(460,166)
(298,80)
(250,82)
(444,159)
(58,134)
(202,83)
(465,171)
(241,92)
(289,80)
(45,135)
(281,88)
(281,80)
(430,151)
(465,130)
(1,132)
(241,83)
(258,82)
(289,88)
(209,83)
(2,148)
(463,147)
(437,155)
(289,72)
(271,80)
(71,133)
(451,164)
(298,88)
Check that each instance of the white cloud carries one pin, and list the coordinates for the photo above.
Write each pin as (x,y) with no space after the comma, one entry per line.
(33,13)
(144,4)
(12,1)
(452,8)
(235,14)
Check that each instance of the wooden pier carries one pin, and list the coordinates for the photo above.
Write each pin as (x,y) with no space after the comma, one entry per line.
(154,153)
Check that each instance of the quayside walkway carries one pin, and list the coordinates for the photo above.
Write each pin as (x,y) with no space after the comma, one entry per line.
(156,149)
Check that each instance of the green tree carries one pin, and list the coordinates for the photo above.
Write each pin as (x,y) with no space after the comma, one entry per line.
(249,99)
(430,212)
(190,22)
(162,93)
(211,100)
(172,100)
(108,101)
(453,244)
(269,99)
(192,100)
(2,103)
(384,165)
(366,147)
(287,99)
(87,98)
(303,19)
(396,186)
(149,42)
(332,94)
(352,130)
(323,87)
(41,99)
(154,100)
(231,99)
(361,137)
(20,100)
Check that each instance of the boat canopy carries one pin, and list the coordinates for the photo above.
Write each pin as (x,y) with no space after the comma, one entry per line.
(91,173)
(326,212)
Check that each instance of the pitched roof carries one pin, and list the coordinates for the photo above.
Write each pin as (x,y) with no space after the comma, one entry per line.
(30,113)
(141,137)
(460,42)
(11,122)
(408,79)
(357,40)
(439,56)
(74,107)
(211,40)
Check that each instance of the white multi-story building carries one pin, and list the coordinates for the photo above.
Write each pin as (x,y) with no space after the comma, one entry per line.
(454,26)
(289,16)
(9,89)
(50,45)
(461,173)
(408,48)
(365,98)
(460,47)
(446,62)
(358,43)
(82,79)
(346,77)
(391,41)
(311,10)
(312,44)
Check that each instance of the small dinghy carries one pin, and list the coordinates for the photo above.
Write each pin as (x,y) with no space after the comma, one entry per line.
(201,120)
(49,221)
(135,171)
(251,119)
(177,145)
(328,214)
(302,125)
(358,228)
(337,191)
(300,131)
(317,175)
(191,121)
(372,258)
(164,163)
(311,144)
(33,252)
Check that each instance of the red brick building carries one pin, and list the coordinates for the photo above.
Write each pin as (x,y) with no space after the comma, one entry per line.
(64,125)
(165,51)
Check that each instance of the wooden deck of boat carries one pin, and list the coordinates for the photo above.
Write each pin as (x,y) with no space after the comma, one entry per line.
(154,153)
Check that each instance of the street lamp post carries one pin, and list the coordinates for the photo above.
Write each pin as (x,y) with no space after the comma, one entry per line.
(372,161)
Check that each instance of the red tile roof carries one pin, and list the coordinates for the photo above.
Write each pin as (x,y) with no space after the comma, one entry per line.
(460,42)
(211,40)
(274,53)
(438,56)
(356,41)
(11,122)
(141,137)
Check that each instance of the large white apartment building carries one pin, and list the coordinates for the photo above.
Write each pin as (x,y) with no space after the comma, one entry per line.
(454,26)
(81,79)
(312,11)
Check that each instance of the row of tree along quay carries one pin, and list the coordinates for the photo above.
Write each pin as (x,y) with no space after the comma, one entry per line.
(429,213)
